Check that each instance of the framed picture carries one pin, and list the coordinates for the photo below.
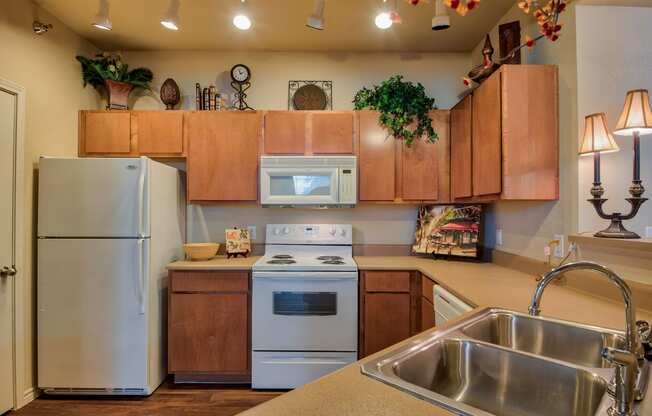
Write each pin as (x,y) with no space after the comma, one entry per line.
(237,241)
(310,95)
(449,230)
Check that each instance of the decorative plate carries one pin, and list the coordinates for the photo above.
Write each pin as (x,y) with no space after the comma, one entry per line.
(310,95)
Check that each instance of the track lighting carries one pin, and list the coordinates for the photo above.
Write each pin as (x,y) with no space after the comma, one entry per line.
(442,20)
(241,20)
(40,27)
(101,20)
(171,18)
(384,20)
(316,19)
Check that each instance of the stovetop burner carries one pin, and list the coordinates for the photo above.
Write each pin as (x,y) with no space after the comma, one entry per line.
(333,262)
(331,258)
(281,261)
(282,256)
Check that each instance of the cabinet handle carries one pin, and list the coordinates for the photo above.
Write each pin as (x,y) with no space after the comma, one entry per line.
(8,271)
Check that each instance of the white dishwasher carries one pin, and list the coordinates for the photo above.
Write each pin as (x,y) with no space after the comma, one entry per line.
(447,305)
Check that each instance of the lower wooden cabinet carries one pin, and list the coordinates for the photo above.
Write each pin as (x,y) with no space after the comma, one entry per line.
(209,326)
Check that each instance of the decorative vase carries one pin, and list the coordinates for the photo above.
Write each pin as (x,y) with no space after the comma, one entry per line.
(170,94)
(118,94)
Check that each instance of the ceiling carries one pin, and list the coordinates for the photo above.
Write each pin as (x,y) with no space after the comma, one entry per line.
(278,25)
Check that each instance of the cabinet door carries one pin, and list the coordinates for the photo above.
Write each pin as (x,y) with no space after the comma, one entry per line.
(285,132)
(386,320)
(487,137)
(425,166)
(105,133)
(461,149)
(158,133)
(209,333)
(223,156)
(331,132)
(376,160)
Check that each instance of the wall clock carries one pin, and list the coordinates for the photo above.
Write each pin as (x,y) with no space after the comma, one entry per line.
(240,76)
(310,95)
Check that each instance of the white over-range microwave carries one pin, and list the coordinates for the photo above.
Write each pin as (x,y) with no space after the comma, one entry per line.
(308,181)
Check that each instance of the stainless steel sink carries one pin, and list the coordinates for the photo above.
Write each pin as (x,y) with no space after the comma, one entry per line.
(573,343)
(503,363)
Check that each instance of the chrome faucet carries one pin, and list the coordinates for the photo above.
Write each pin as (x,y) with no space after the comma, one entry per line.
(631,366)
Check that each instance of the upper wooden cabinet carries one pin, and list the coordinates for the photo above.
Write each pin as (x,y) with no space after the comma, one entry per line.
(105,133)
(391,171)
(308,133)
(131,133)
(223,155)
(511,137)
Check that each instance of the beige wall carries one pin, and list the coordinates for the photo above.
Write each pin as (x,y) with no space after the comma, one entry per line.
(45,66)
(373,224)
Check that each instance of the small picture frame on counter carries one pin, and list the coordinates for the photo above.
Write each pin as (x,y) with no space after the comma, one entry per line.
(238,242)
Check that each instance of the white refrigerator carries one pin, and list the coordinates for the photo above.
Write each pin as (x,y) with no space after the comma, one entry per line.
(106,230)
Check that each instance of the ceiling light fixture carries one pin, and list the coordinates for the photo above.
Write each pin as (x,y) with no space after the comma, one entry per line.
(383,20)
(241,20)
(101,20)
(316,19)
(442,20)
(171,18)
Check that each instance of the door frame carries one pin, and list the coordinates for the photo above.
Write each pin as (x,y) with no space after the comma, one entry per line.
(20,326)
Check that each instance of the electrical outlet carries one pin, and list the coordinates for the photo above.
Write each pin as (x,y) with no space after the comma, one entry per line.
(648,232)
(252,232)
(499,237)
(559,248)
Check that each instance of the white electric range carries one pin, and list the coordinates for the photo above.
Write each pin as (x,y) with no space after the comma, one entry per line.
(304,305)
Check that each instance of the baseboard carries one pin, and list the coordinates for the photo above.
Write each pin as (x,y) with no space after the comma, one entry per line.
(29,396)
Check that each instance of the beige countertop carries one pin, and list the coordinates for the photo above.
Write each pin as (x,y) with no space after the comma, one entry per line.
(348,392)
(218,263)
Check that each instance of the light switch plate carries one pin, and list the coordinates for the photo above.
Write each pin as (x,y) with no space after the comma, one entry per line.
(252,232)
(648,232)
(499,237)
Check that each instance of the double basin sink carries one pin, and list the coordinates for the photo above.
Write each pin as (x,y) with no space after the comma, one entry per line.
(503,363)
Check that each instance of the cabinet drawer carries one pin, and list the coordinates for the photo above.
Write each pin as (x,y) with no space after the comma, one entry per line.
(209,281)
(387,282)
(426,288)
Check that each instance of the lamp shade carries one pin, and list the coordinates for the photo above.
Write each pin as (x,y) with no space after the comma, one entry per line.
(597,138)
(636,116)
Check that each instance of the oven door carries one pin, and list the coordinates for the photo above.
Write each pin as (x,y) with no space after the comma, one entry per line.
(305,311)
(299,186)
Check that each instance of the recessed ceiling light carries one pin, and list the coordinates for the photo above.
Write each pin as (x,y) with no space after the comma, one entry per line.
(101,20)
(171,19)
(384,20)
(242,22)
(316,19)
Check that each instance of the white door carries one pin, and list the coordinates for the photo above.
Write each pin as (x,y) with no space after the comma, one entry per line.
(93,197)
(91,297)
(8,106)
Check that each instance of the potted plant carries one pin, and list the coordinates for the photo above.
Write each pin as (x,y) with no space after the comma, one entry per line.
(107,71)
(404,108)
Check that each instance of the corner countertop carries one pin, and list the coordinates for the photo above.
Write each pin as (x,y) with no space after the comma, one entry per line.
(348,392)
(217,263)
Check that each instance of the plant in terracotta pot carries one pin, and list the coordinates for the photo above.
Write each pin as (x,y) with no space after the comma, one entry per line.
(107,71)
(404,108)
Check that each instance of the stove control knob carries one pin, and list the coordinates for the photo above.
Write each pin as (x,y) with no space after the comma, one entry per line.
(276,231)
(333,231)
(286,230)
(343,232)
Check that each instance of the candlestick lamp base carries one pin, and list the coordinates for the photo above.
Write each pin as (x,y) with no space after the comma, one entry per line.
(616,230)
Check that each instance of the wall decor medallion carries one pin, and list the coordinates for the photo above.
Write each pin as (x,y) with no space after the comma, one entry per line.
(170,94)
(449,230)
(310,95)
(240,76)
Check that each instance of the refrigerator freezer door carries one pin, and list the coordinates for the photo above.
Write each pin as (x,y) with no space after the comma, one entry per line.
(92,332)
(93,197)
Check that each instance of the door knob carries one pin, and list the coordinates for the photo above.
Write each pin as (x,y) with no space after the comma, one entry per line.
(7,271)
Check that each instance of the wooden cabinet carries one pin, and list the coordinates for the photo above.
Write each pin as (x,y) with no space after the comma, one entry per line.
(461,159)
(387,310)
(390,171)
(427,308)
(308,133)
(223,156)
(209,326)
(158,133)
(512,139)
(105,133)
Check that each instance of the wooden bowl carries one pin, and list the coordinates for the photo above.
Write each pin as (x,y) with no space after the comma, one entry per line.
(201,251)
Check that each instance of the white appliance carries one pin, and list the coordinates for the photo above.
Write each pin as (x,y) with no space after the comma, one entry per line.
(106,230)
(304,305)
(447,306)
(321,181)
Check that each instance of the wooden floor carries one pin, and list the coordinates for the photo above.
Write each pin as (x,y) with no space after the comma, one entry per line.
(168,400)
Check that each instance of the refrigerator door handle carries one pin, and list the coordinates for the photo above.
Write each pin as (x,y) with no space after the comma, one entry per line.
(141,198)
(142,275)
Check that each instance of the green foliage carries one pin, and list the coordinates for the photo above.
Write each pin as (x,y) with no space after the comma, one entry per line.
(110,67)
(401,104)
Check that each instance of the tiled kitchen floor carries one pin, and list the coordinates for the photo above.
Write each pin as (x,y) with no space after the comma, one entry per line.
(168,400)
